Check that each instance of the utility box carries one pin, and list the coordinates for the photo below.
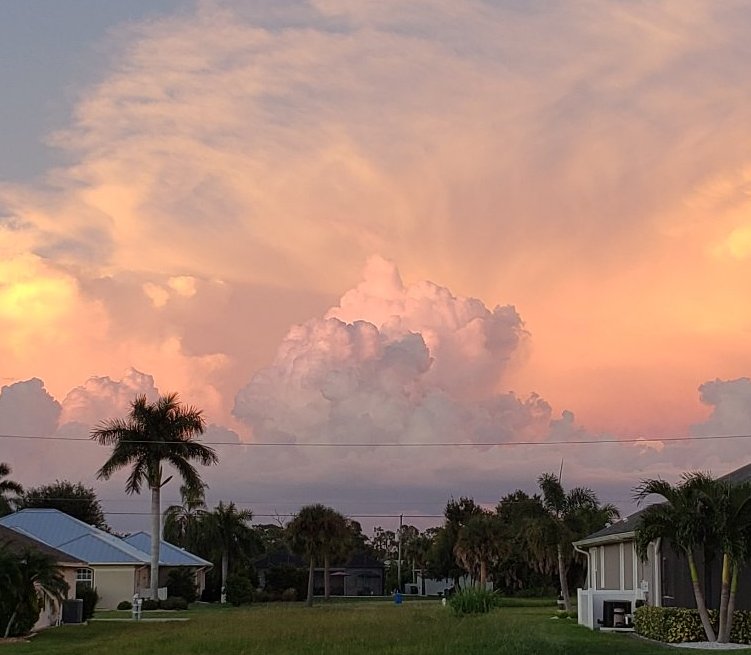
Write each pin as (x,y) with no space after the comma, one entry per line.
(73,610)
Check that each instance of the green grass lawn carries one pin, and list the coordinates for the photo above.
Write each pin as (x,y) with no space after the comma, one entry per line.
(340,629)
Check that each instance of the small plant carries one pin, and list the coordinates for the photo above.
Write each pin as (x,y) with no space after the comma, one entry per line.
(174,603)
(474,601)
(125,605)
(149,604)
(90,598)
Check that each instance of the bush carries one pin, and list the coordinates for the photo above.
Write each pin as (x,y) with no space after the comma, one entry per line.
(174,603)
(90,598)
(148,604)
(181,582)
(474,601)
(289,595)
(125,605)
(261,596)
(676,624)
(279,578)
(239,590)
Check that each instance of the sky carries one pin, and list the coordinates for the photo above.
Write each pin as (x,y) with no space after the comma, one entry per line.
(404,226)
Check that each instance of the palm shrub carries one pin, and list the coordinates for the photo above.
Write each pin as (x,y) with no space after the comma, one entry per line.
(474,600)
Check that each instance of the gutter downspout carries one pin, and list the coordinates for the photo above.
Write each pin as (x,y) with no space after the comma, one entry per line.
(590,620)
(658,574)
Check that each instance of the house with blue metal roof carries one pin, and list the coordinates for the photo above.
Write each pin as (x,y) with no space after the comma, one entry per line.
(117,567)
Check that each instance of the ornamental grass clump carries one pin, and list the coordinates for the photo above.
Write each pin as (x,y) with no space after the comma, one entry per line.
(474,601)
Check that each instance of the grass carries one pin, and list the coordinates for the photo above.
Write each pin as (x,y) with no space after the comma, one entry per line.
(339,629)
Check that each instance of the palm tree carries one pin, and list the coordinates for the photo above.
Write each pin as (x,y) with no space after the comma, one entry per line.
(228,528)
(570,516)
(336,544)
(21,575)
(727,509)
(308,537)
(681,521)
(7,487)
(154,434)
(479,545)
(182,523)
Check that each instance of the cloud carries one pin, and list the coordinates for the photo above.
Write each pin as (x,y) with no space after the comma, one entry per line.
(27,408)
(101,398)
(730,401)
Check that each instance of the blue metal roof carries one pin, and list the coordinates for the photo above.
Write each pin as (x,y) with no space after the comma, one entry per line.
(91,544)
(169,555)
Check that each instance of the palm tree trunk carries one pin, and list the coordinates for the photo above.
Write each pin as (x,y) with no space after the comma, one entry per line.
(723,636)
(483,573)
(699,596)
(326,581)
(562,579)
(156,534)
(731,600)
(311,572)
(12,620)
(225,568)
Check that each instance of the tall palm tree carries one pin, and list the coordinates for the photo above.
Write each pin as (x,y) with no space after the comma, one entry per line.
(479,545)
(8,487)
(680,521)
(308,537)
(570,516)
(336,543)
(154,434)
(227,527)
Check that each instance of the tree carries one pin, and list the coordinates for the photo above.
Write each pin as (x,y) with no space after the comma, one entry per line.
(182,523)
(570,516)
(479,545)
(228,528)
(312,532)
(336,543)
(73,499)
(155,434)
(21,574)
(8,487)
(680,521)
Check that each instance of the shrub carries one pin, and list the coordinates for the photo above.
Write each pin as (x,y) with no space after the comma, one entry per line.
(239,590)
(174,603)
(261,596)
(676,624)
(125,605)
(279,578)
(474,601)
(27,613)
(149,604)
(289,595)
(181,582)
(90,598)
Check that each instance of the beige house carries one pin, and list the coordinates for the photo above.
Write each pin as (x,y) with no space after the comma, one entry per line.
(116,567)
(51,612)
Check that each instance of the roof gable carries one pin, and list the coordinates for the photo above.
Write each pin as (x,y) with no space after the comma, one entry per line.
(169,554)
(18,541)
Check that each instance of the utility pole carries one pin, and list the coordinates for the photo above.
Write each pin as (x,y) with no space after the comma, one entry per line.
(399,561)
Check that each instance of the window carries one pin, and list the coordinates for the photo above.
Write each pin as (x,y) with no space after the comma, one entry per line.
(84,578)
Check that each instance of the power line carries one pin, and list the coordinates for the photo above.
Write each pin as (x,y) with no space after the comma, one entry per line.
(414,444)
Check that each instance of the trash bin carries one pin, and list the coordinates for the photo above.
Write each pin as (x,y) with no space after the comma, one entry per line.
(619,617)
(73,610)
(398,598)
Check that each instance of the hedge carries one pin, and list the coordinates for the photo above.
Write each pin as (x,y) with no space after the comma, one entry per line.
(677,624)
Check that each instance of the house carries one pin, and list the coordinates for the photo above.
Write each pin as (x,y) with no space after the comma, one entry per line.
(618,578)
(361,574)
(51,611)
(117,567)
